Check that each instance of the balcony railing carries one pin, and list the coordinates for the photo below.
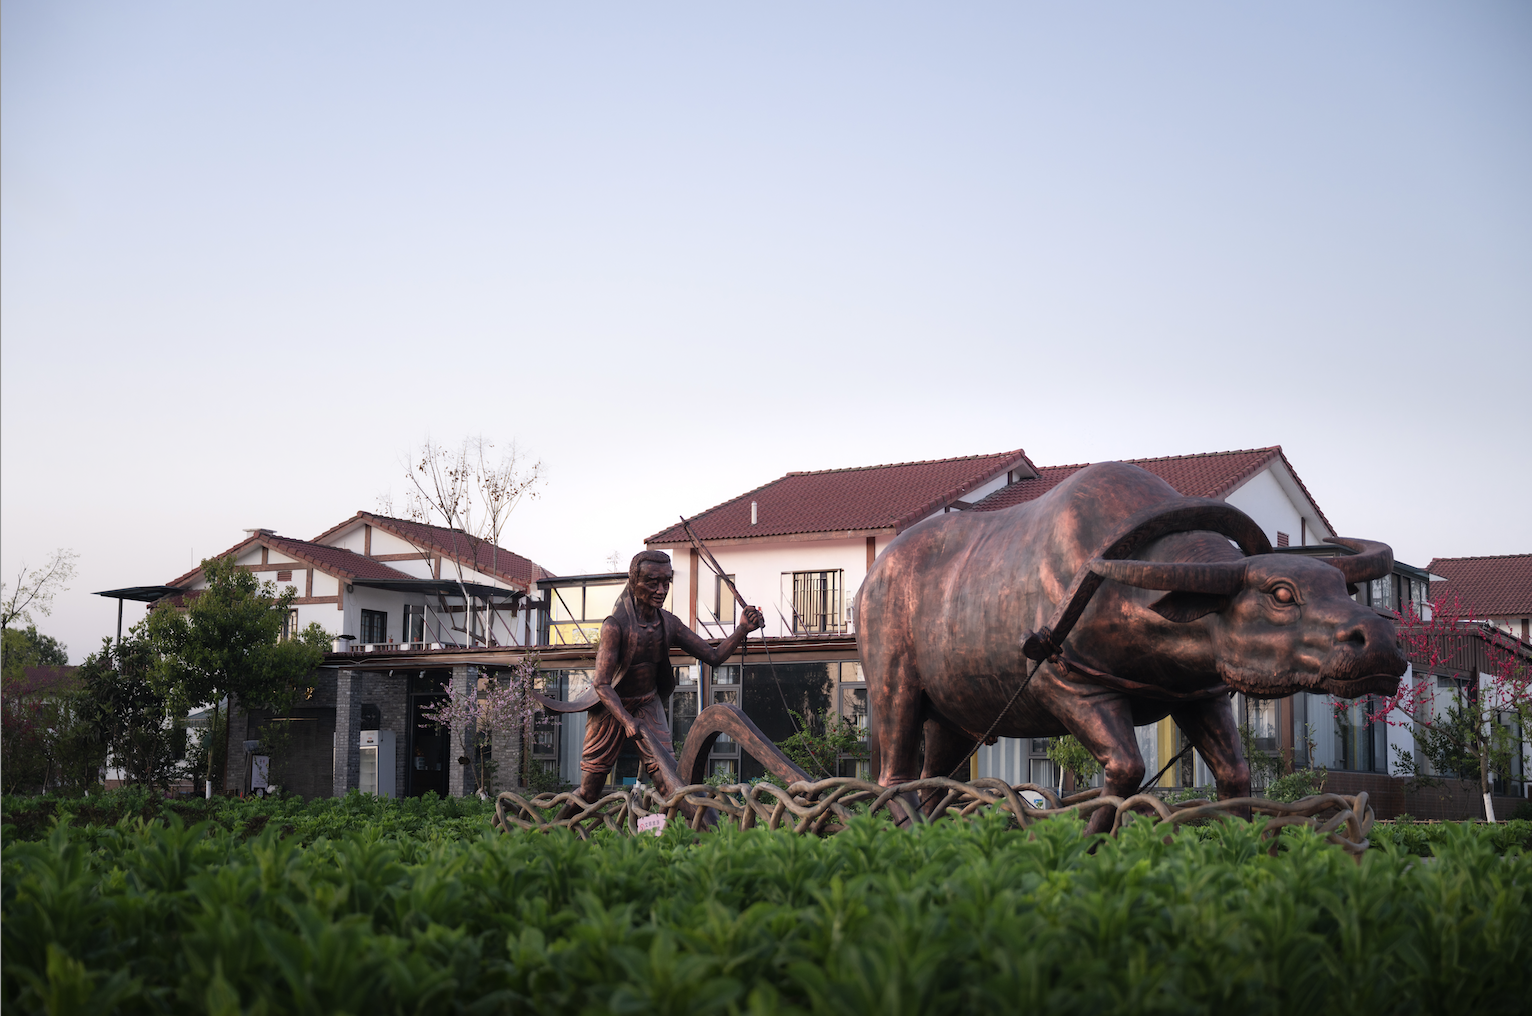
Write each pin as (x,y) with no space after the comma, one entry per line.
(350,646)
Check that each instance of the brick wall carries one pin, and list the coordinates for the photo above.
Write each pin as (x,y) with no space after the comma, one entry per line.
(1390,796)
(303,764)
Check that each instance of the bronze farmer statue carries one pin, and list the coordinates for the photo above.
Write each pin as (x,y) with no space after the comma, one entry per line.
(633,675)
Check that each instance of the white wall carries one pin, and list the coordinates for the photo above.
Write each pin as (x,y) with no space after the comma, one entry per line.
(1263,499)
(758,570)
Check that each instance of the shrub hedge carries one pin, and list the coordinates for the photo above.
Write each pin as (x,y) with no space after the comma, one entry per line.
(364,906)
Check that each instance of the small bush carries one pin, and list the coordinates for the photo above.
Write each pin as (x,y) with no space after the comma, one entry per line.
(1297,785)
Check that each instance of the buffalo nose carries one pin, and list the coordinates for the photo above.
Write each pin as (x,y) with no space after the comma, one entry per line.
(1355,633)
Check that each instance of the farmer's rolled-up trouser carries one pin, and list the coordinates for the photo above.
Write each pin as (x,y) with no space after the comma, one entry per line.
(604,734)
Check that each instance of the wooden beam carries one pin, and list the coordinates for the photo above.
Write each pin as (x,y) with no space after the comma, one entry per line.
(692,569)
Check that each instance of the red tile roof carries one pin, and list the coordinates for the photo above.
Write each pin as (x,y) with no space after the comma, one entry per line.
(1207,474)
(481,555)
(333,560)
(43,681)
(181,580)
(856,500)
(1489,586)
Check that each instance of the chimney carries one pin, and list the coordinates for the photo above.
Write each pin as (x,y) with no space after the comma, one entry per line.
(752,513)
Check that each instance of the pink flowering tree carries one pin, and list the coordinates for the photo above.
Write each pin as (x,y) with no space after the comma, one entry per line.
(1459,730)
(501,702)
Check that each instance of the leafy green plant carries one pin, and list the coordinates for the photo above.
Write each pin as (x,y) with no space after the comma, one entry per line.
(367,905)
(543,780)
(1298,784)
(1265,766)
(1073,757)
(820,742)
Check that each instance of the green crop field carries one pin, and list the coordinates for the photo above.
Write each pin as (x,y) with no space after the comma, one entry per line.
(126,904)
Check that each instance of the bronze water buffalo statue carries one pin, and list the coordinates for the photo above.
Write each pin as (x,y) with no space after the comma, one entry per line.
(1132,604)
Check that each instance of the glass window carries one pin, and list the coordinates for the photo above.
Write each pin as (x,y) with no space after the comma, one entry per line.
(1043,773)
(723,601)
(772,695)
(415,623)
(599,601)
(568,603)
(1263,723)
(817,602)
(725,745)
(683,713)
(853,707)
(374,626)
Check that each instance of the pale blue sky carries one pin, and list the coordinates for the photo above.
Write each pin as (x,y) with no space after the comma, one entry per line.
(252,252)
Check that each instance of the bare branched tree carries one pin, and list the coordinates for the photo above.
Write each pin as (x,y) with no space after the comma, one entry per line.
(471,489)
(36,588)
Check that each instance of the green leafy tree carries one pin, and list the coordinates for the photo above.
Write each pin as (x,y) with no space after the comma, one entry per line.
(39,723)
(1073,757)
(130,711)
(27,647)
(1266,767)
(227,642)
(820,743)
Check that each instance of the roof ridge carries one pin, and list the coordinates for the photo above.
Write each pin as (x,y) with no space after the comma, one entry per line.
(188,575)
(912,462)
(1203,455)
(476,545)
(1481,557)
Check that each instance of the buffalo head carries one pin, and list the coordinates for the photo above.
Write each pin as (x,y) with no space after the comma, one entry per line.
(1281,623)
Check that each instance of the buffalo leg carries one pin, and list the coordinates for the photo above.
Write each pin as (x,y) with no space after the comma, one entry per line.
(945,751)
(1104,725)
(896,717)
(1210,728)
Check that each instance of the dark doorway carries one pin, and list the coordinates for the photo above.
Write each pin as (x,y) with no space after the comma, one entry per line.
(429,751)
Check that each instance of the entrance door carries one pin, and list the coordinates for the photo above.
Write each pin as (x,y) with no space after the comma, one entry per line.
(430,749)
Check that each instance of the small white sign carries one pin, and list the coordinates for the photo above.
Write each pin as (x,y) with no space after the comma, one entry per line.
(260,772)
(1035,799)
(652,822)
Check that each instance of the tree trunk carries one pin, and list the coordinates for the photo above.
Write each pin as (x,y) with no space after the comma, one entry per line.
(210,747)
(1489,806)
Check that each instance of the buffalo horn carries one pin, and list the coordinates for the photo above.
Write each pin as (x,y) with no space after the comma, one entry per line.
(1223,577)
(1372,559)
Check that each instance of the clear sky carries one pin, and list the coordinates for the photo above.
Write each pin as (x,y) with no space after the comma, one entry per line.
(252,253)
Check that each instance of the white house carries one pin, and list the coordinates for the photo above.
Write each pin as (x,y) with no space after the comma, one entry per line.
(383,584)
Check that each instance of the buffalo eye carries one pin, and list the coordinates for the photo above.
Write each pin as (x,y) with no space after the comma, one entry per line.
(1282,594)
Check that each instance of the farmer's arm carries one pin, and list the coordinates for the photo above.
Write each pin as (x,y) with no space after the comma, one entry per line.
(695,645)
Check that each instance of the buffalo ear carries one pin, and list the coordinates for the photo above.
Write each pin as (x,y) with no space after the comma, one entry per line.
(1183,606)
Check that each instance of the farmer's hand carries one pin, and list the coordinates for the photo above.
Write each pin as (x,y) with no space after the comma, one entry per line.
(752,619)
